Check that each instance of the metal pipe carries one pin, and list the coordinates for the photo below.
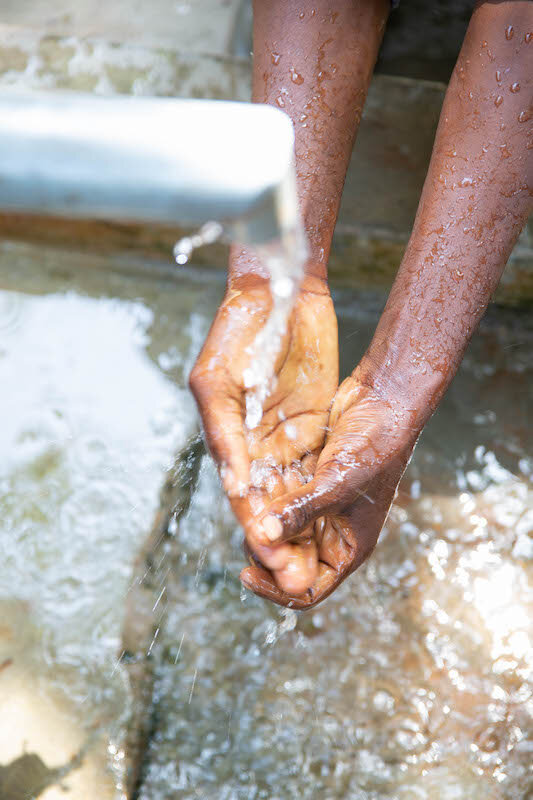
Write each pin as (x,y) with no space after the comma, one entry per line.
(153,160)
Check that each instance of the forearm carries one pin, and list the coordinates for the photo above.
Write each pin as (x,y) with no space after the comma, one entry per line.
(476,199)
(315,62)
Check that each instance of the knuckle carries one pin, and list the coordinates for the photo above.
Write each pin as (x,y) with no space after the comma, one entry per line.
(200,383)
(196,379)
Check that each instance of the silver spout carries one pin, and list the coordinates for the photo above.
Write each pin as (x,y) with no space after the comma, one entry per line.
(154,160)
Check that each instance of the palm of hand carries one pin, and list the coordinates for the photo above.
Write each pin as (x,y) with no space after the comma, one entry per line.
(345,506)
(279,455)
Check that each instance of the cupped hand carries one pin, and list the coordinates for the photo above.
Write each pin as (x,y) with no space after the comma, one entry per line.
(344,506)
(278,457)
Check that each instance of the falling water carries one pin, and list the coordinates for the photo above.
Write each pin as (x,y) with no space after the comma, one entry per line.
(284,259)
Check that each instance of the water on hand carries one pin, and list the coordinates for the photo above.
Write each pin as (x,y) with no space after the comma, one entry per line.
(283,259)
(414,680)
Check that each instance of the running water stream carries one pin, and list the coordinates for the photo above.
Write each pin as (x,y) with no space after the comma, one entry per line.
(283,258)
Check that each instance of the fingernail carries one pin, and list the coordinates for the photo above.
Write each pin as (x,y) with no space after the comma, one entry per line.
(245,582)
(272,527)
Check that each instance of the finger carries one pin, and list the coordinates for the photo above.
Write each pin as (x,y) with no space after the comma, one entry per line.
(262,583)
(327,581)
(289,515)
(301,570)
(247,509)
(222,417)
(334,546)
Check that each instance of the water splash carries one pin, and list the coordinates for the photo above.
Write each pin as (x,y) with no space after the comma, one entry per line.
(284,260)
(208,234)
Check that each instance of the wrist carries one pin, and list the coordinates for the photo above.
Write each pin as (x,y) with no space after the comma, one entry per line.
(396,369)
(246,270)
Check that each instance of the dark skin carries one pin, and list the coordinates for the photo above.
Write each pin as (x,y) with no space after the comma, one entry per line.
(313,519)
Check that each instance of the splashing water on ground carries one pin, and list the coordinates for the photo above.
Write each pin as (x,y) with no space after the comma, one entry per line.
(413,681)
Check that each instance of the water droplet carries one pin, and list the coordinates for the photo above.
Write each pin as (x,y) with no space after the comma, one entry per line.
(296,77)
(333,68)
(275,58)
(528,37)
(524,116)
(301,14)
(498,75)
(509,32)
(303,117)
(506,153)
(498,101)
(283,287)
(484,43)
(466,182)
(207,234)
(470,95)
(280,101)
(459,273)
(515,87)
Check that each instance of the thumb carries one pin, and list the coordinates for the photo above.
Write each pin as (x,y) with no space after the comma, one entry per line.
(289,515)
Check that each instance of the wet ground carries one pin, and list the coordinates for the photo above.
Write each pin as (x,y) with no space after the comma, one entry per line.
(414,680)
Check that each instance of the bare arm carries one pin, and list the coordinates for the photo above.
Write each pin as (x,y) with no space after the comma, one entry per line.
(315,62)
(476,199)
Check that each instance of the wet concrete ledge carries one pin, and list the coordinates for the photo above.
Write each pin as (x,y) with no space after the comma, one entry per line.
(384,180)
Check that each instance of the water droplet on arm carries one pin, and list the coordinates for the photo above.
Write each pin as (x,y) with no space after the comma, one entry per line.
(275,58)
(498,101)
(296,77)
(515,87)
(509,32)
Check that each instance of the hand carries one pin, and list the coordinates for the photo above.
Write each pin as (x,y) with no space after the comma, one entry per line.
(280,454)
(372,435)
